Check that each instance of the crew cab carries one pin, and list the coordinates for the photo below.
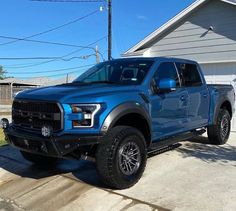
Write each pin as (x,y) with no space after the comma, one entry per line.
(119,111)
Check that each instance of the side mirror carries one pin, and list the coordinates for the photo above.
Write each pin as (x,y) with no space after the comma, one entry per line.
(166,85)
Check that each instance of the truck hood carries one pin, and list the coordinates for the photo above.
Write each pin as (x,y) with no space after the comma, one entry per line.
(63,93)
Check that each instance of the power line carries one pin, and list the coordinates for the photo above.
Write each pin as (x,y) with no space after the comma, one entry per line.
(51,43)
(42,58)
(28,58)
(44,42)
(17,65)
(52,29)
(71,1)
(64,56)
(109,3)
(55,70)
(54,75)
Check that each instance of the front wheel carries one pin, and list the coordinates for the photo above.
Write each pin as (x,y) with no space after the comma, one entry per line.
(121,158)
(219,133)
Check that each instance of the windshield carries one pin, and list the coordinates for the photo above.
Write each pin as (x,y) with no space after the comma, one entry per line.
(117,71)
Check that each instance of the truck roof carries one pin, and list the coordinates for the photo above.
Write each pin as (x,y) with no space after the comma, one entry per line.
(170,59)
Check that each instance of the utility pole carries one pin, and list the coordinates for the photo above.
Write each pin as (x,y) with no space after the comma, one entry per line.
(109,29)
(97,55)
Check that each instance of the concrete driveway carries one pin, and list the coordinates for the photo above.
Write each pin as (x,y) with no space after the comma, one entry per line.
(194,176)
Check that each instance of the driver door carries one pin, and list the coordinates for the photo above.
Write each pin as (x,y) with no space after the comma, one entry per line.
(168,110)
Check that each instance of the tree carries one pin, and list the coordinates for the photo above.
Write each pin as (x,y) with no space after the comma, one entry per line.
(1,73)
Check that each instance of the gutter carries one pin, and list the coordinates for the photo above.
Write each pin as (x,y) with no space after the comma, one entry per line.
(218,62)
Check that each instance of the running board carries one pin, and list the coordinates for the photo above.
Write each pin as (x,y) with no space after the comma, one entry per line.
(166,143)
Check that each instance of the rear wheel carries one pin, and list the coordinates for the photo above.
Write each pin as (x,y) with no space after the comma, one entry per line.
(121,158)
(39,159)
(219,134)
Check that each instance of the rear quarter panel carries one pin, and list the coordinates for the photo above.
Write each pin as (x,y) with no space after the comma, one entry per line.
(218,95)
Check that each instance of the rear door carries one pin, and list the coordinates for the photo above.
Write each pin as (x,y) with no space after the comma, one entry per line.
(198,107)
(168,110)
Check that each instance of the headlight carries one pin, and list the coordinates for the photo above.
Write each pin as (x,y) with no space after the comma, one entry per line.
(88,112)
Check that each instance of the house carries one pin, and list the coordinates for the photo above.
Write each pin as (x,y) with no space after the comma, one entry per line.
(204,32)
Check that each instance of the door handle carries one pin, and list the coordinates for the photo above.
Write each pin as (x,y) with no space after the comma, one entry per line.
(182,98)
(205,95)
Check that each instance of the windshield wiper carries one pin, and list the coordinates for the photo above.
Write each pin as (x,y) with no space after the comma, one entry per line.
(79,82)
(101,82)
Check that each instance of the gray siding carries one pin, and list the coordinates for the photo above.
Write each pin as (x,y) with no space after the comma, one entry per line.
(191,39)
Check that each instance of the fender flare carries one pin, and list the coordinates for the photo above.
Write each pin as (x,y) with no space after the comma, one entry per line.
(122,110)
(217,110)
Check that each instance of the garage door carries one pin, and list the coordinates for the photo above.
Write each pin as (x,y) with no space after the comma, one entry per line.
(221,74)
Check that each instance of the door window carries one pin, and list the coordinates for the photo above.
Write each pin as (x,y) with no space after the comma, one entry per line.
(189,74)
(167,70)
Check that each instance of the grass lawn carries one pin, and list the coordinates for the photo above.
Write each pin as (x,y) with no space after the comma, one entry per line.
(2,138)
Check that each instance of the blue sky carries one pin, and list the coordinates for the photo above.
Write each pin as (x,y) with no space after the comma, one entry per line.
(132,21)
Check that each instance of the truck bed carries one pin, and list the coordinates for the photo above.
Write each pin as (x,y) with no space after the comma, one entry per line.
(220,93)
(220,86)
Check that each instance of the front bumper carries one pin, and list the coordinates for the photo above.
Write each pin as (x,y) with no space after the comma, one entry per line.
(56,146)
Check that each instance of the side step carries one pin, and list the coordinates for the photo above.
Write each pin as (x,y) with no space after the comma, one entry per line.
(169,143)
(158,151)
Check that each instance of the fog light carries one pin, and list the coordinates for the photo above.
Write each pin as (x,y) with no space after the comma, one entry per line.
(46,131)
(4,123)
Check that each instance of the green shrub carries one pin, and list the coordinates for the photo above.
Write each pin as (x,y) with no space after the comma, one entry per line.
(2,138)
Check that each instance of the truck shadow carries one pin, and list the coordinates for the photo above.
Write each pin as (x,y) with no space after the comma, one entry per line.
(85,171)
(200,148)
(82,171)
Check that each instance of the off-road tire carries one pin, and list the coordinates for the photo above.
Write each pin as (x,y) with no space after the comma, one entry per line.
(215,132)
(108,155)
(39,159)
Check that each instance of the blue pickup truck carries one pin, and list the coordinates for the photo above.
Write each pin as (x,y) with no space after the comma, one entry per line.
(119,111)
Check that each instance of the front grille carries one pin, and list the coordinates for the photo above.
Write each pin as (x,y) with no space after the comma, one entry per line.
(34,115)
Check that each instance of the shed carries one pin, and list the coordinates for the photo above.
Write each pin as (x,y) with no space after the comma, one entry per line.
(204,32)
(10,86)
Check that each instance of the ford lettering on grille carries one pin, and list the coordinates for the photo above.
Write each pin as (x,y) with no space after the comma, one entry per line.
(34,115)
